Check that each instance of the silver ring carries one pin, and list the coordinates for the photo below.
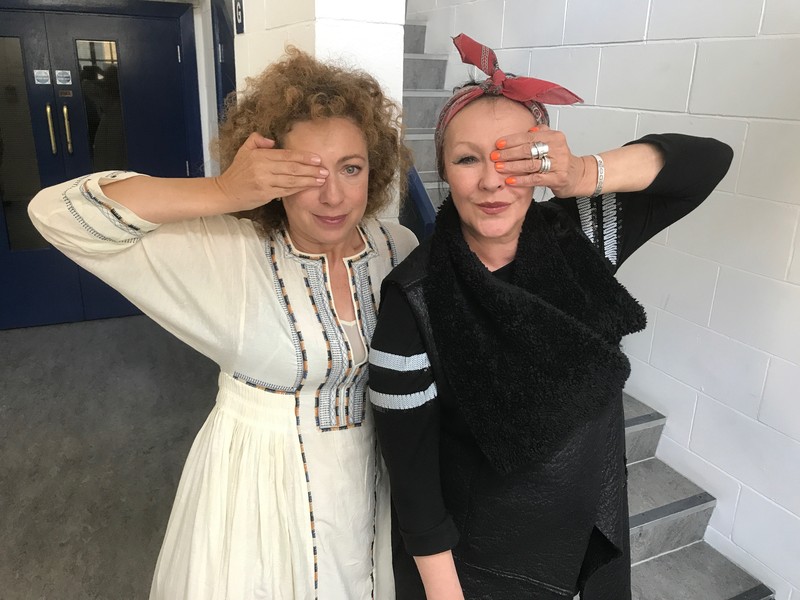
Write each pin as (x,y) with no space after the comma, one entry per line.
(545,166)
(539,149)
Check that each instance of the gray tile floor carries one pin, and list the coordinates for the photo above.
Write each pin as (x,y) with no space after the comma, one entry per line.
(96,420)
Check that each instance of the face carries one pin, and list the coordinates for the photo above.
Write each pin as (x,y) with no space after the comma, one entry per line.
(490,210)
(325,218)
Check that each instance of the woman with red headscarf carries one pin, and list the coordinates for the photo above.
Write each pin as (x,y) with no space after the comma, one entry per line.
(495,367)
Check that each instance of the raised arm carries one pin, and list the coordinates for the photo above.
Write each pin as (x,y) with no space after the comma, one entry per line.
(258,174)
(619,221)
(625,169)
(200,278)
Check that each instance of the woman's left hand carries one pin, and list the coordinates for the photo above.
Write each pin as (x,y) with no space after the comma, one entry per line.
(567,175)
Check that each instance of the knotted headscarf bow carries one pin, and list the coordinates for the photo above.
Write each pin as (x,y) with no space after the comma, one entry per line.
(529,91)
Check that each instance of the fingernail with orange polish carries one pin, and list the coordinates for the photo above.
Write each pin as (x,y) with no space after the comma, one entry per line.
(499,166)
(533,129)
(511,180)
(501,144)
(495,155)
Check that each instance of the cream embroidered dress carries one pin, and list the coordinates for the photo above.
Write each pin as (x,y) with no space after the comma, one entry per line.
(283,495)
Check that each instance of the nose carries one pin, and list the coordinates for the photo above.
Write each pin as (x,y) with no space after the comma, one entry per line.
(491,180)
(331,192)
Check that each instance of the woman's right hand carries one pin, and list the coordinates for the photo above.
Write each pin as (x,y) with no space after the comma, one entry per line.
(261,173)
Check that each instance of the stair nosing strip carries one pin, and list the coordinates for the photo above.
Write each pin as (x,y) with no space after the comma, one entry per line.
(760,592)
(697,502)
(649,418)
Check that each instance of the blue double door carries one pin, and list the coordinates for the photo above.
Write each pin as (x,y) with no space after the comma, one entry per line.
(82,93)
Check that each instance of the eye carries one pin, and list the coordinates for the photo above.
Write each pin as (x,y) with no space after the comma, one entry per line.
(352,170)
(467,159)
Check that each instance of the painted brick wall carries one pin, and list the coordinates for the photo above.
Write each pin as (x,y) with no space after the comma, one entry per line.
(721,355)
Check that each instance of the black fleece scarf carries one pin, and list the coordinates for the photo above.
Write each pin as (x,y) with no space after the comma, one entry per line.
(529,362)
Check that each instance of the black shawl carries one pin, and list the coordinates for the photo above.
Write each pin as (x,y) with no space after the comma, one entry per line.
(531,360)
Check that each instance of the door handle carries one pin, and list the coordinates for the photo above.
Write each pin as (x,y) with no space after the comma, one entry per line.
(49,112)
(67,129)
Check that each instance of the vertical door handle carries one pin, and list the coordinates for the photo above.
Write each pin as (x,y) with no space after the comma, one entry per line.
(67,129)
(49,112)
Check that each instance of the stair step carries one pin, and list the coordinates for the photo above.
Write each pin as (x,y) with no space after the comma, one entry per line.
(429,176)
(414,38)
(424,71)
(667,511)
(643,427)
(696,572)
(421,107)
(437,192)
(423,150)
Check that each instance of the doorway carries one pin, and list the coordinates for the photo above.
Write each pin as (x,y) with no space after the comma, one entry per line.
(83,92)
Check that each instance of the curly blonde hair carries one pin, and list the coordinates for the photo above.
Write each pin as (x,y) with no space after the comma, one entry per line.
(300,88)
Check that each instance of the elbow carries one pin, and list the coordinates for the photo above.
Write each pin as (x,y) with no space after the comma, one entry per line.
(720,159)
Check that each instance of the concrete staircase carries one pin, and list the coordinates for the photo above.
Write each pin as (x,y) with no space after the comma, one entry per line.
(668,513)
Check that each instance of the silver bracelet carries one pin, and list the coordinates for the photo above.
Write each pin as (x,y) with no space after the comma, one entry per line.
(601,175)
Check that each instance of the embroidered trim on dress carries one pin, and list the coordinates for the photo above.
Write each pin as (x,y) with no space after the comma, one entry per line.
(77,216)
(297,337)
(310,498)
(327,404)
(110,213)
(392,246)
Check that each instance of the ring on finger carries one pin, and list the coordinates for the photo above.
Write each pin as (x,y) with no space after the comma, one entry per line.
(539,149)
(545,165)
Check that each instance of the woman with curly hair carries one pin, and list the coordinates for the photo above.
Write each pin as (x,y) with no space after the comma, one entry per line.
(271,270)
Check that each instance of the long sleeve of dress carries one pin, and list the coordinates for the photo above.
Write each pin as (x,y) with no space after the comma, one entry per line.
(402,385)
(190,276)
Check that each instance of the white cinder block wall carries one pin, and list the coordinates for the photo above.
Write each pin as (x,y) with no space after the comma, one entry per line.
(721,355)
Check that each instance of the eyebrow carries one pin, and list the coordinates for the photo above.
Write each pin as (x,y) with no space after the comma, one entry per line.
(468,143)
(351,157)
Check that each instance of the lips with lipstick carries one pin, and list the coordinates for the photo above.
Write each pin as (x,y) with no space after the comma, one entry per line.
(493,208)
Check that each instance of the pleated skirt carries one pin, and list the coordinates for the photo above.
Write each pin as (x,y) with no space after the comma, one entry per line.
(268,507)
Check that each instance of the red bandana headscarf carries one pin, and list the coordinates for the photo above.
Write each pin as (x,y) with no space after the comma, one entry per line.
(528,91)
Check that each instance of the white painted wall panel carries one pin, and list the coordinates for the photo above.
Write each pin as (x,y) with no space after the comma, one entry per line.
(781,16)
(770,161)
(781,398)
(676,19)
(748,77)
(667,395)
(757,514)
(676,282)
(710,363)
(574,68)
(748,233)
(715,481)
(758,311)
(530,24)
(482,21)
(654,76)
(592,22)
(748,451)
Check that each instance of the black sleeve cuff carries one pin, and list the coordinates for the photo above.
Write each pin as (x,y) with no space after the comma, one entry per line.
(438,539)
